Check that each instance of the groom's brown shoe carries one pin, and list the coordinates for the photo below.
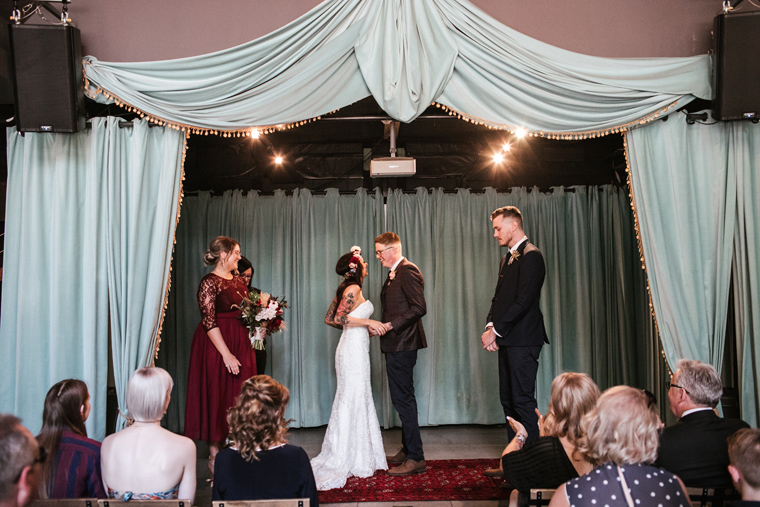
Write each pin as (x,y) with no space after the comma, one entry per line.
(409,467)
(399,458)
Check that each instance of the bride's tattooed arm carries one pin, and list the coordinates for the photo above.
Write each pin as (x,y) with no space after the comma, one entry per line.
(330,317)
(346,306)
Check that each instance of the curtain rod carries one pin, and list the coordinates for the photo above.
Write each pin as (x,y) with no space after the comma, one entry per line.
(353,192)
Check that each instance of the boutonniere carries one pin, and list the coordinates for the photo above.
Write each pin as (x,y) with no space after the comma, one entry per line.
(515,257)
(391,275)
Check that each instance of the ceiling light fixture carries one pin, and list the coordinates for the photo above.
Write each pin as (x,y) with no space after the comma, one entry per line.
(498,158)
(521,132)
(278,160)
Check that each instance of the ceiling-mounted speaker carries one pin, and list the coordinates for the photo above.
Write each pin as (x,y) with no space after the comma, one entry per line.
(46,61)
(736,66)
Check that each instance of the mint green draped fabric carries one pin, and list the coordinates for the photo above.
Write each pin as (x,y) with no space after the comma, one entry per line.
(89,227)
(141,197)
(745,159)
(406,54)
(695,189)
(594,298)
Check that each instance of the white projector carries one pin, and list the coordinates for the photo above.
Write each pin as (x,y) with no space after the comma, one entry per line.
(386,167)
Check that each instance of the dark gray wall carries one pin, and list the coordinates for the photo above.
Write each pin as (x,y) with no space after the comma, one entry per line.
(142,30)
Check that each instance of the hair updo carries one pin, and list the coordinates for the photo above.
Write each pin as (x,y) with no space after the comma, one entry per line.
(216,247)
(350,268)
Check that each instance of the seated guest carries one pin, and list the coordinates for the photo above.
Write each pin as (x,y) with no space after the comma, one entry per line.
(145,461)
(695,448)
(73,470)
(621,440)
(19,455)
(554,457)
(260,464)
(744,455)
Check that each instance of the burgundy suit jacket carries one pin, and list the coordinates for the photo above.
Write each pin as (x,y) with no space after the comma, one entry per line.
(403,301)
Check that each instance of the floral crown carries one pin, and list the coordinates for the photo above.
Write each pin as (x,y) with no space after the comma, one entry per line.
(354,262)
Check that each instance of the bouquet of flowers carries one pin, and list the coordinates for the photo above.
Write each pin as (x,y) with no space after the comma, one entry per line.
(262,315)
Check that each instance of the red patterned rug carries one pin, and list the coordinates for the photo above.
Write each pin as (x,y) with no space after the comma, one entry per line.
(451,479)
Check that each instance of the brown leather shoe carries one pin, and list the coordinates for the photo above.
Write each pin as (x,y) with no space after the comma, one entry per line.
(409,467)
(494,472)
(399,458)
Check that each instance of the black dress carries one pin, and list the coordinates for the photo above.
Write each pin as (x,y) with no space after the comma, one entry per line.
(542,464)
(282,472)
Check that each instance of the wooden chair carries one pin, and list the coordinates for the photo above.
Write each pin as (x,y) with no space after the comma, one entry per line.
(536,498)
(711,497)
(66,502)
(112,502)
(288,502)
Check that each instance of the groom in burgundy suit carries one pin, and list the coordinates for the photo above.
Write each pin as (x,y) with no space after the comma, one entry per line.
(403,303)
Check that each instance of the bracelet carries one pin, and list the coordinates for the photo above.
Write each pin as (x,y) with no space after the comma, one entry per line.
(521,439)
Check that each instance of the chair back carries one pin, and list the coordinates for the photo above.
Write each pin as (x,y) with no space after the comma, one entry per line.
(65,502)
(280,502)
(114,502)
(712,497)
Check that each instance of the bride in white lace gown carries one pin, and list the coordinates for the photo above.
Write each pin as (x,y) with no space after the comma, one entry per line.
(353,445)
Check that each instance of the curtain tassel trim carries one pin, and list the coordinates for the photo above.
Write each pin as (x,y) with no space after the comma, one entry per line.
(253,131)
(641,249)
(562,136)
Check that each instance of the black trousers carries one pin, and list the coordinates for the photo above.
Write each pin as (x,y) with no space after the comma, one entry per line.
(400,369)
(518,367)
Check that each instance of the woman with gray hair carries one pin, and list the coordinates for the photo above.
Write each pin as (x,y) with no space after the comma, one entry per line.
(621,439)
(145,461)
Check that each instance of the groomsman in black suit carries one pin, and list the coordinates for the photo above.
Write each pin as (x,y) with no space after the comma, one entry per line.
(515,326)
(403,304)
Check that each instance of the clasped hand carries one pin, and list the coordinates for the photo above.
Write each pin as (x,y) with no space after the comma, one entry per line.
(378,328)
(488,339)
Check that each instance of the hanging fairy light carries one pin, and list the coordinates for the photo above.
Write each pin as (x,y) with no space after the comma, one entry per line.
(278,160)
(521,132)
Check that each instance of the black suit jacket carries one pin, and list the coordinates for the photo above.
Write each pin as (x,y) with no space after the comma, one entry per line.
(695,449)
(403,301)
(514,312)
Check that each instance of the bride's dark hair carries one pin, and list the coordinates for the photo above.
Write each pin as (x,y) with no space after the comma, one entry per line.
(343,268)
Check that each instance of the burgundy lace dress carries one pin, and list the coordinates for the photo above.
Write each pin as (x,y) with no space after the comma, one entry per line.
(211,389)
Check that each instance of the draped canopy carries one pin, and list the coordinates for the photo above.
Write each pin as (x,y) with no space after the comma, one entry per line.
(407,54)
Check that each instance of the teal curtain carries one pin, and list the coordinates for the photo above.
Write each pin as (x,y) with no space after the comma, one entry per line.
(406,54)
(143,180)
(85,231)
(695,189)
(685,199)
(594,299)
(745,159)
(55,292)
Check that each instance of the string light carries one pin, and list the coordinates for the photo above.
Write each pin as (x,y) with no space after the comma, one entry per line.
(498,158)
(521,132)
(278,160)
(506,147)
(255,133)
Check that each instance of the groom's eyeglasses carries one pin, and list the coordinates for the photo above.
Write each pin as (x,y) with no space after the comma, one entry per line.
(378,253)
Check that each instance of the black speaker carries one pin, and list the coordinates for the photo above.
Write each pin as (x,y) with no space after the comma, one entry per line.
(736,70)
(47,78)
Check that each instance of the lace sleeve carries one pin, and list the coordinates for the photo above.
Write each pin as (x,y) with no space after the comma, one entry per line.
(207,302)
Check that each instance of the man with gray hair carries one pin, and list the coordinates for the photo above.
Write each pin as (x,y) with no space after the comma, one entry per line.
(696,447)
(19,455)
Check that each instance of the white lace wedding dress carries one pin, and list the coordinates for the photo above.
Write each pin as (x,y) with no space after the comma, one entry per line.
(353,446)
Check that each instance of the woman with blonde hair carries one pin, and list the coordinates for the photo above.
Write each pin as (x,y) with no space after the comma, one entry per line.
(145,461)
(221,355)
(621,440)
(554,457)
(260,464)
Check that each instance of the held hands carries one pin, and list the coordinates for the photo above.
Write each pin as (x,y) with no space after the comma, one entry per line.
(488,339)
(231,363)
(378,328)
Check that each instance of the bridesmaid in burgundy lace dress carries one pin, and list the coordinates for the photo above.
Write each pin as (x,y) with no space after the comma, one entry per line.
(221,357)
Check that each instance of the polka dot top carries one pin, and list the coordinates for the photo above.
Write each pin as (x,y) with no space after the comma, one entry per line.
(649,487)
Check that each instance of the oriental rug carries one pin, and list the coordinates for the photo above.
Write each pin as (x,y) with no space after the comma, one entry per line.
(452,479)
